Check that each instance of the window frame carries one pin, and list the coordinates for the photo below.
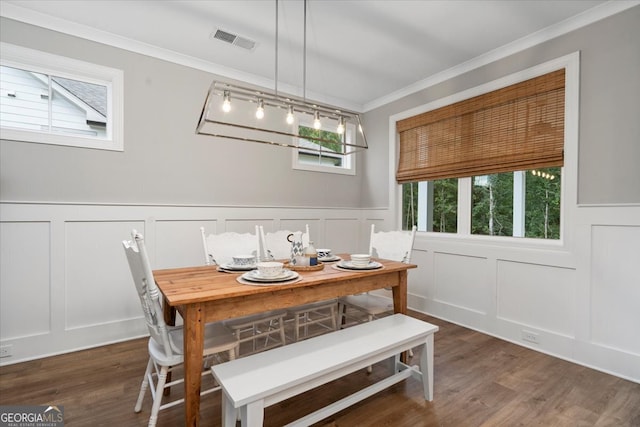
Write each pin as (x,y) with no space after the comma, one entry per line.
(571,64)
(350,158)
(50,64)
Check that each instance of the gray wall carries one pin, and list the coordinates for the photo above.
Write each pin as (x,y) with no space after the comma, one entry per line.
(163,162)
(609,144)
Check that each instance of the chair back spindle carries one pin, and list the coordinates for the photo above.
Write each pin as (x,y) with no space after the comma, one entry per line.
(148,292)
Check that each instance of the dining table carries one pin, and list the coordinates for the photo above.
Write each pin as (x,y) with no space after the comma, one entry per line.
(205,294)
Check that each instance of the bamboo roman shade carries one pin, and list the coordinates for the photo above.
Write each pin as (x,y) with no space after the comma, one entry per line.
(518,127)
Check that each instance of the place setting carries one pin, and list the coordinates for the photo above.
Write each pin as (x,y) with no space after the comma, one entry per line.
(239,264)
(358,262)
(268,274)
(325,255)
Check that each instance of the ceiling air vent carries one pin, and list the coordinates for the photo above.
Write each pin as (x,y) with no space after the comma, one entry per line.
(234,39)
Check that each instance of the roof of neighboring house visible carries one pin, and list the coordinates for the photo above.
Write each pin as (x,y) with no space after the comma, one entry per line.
(93,95)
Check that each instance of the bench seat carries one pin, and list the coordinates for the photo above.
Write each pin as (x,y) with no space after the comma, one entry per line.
(255,382)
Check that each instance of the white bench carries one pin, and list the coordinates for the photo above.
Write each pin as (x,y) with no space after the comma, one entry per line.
(252,383)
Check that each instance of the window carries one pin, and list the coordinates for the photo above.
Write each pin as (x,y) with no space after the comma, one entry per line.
(504,150)
(517,204)
(55,100)
(441,198)
(330,157)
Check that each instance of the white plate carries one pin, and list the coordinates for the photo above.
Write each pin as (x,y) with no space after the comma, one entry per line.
(234,267)
(254,276)
(330,258)
(349,265)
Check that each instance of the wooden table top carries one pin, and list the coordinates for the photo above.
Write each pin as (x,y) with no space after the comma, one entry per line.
(190,285)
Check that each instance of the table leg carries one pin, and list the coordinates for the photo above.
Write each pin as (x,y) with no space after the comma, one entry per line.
(193,349)
(400,293)
(169,313)
(170,319)
(400,302)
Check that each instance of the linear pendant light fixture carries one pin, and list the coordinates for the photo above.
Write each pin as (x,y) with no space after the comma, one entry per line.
(255,114)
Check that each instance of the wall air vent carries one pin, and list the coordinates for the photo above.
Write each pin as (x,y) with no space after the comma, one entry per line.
(233,39)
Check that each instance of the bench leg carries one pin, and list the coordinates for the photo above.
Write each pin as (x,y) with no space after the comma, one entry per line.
(392,363)
(229,413)
(252,414)
(426,366)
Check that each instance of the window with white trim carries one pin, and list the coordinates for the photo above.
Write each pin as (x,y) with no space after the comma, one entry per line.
(50,99)
(324,157)
(505,200)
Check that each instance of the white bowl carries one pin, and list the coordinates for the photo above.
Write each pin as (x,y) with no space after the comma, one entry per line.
(269,268)
(244,260)
(324,253)
(360,260)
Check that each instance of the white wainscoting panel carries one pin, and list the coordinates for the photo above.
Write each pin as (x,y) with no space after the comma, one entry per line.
(420,279)
(300,225)
(98,285)
(615,287)
(243,225)
(178,243)
(538,296)
(65,283)
(25,275)
(579,297)
(462,281)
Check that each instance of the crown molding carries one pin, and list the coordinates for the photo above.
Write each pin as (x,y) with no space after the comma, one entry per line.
(578,21)
(28,16)
(590,16)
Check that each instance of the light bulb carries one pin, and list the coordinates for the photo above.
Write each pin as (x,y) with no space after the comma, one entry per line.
(340,129)
(316,120)
(260,110)
(226,104)
(290,115)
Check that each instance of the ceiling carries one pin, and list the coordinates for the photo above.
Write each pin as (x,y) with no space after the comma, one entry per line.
(359,54)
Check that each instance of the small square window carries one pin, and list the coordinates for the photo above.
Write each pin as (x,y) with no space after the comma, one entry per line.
(324,157)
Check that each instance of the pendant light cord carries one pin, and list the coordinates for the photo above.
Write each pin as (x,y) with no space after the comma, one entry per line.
(304,56)
(276,83)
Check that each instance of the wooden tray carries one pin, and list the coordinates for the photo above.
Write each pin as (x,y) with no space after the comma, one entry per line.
(318,267)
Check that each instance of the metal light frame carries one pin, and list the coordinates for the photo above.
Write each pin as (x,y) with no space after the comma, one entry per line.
(214,121)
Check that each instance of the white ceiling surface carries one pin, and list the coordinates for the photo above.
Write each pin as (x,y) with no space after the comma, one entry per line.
(360,54)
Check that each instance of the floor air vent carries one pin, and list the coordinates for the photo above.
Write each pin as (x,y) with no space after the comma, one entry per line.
(233,39)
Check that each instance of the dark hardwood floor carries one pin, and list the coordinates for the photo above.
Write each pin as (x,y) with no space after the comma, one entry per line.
(479,381)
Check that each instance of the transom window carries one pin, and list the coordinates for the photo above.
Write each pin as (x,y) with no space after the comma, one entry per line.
(55,100)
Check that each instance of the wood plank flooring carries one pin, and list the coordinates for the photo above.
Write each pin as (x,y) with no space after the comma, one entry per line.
(479,381)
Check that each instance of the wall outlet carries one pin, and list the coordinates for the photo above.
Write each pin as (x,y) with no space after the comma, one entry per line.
(6,350)
(530,336)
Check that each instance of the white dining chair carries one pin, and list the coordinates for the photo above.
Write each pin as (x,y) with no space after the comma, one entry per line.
(220,248)
(308,319)
(256,332)
(166,342)
(391,245)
